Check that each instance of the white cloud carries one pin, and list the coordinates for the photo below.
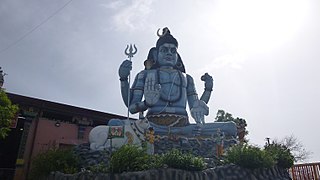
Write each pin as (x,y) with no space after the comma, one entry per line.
(114,5)
(259,25)
(234,61)
(130,16)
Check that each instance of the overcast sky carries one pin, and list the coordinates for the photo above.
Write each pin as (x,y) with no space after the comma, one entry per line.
(263,55)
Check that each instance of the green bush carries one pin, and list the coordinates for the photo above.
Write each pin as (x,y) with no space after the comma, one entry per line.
(249,156)
(53,160)
(129,158)
(282,155)
(176,159)
(155,161)
(99,168)
(133,158)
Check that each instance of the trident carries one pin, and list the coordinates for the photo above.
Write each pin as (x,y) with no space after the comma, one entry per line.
(130,55)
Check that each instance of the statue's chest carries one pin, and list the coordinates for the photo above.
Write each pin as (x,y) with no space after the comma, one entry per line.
(175,78)
(172,83)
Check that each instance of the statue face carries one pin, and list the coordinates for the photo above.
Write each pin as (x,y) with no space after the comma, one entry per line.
(167,55)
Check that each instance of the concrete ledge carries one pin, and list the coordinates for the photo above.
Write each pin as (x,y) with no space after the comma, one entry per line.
(229,172)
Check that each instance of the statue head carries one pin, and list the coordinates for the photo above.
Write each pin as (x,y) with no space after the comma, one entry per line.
(166,37)
(165,53)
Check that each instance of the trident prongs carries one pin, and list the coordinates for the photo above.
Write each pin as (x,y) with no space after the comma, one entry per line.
(131,52)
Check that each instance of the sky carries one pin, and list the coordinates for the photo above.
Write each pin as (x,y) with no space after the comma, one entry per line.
(263,55)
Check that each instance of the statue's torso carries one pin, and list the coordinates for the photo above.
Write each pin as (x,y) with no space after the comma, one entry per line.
(173,85)
(173,92)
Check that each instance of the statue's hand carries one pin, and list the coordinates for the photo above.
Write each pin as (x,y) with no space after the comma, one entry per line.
(198,111)
(208,81)
(125,69)
(151,90)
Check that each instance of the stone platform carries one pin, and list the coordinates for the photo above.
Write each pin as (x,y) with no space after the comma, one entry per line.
(230,172)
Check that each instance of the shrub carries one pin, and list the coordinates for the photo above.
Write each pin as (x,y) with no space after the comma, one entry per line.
(129,158)
(249,156)
(99,168)
(281,153)
(133,158)
(176,159)
(53,160)
(155,161)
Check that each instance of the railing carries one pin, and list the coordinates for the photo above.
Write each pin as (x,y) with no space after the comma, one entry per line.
(6,173)
(308,171)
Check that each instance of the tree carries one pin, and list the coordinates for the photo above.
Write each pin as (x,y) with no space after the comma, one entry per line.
(283,156)
(7,113)
(241,123)
(220,116)
(296,148)
(223,116)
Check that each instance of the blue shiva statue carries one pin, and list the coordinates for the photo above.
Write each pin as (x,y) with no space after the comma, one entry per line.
(165,87)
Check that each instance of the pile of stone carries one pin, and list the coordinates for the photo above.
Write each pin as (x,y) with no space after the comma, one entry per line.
(88,157)
(204,147)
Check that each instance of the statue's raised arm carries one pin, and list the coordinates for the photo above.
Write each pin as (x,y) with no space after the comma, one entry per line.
(124,72)
(163,88)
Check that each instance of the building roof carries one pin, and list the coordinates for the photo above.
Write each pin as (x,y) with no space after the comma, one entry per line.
(65,110)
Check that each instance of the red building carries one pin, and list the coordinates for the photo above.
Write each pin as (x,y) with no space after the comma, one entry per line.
(41,125)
